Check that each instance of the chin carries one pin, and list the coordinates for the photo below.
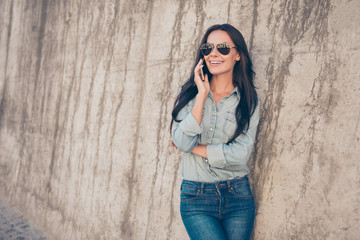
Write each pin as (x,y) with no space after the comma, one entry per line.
(217,72)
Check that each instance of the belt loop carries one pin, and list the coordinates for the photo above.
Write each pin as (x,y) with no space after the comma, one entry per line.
(202,188)
(228,183)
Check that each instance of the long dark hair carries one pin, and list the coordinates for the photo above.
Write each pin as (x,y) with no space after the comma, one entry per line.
(243,76)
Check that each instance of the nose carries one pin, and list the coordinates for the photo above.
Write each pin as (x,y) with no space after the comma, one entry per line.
(214,52)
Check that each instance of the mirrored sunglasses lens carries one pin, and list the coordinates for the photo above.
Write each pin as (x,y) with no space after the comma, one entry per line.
(206,49)
(223,50)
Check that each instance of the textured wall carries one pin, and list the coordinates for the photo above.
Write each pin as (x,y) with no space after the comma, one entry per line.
(86,91)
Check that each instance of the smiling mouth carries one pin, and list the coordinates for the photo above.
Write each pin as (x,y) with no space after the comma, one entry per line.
(215,63)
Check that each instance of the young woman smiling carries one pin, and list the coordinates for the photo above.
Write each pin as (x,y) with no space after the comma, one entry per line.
(214,122)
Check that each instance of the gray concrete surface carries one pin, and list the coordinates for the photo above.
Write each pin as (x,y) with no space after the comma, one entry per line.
(86,90)
(13,225)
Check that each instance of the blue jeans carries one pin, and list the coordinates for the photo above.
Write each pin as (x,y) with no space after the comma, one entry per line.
(221,210)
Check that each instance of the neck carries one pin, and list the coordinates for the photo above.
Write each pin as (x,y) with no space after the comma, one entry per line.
(222,83)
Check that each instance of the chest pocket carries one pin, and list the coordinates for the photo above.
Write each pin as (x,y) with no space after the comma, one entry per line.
(230,124)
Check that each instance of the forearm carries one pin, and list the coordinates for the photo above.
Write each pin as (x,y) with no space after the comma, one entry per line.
(186,133)
(200,150)
(236,152)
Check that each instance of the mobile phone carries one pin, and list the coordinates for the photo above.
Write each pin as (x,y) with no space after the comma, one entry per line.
(202,75)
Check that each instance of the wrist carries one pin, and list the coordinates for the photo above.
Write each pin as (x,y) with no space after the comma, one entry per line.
(201,96)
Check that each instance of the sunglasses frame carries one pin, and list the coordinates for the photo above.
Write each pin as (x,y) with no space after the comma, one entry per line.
(202,48)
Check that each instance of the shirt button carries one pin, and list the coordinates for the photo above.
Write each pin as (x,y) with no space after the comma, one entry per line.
(211,129)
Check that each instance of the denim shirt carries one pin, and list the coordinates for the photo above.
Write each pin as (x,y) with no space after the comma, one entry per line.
(218,124)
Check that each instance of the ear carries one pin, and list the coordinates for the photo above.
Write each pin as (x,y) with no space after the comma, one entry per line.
(237,58)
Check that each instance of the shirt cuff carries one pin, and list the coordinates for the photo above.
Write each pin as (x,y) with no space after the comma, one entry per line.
(190,126)
(216,157)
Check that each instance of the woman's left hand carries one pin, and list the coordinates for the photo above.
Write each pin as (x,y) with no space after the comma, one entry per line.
(202,85)
(172,144)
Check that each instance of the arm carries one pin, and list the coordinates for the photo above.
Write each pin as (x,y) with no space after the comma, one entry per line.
(203,87)
(200,150)
(186,133)
(235,153)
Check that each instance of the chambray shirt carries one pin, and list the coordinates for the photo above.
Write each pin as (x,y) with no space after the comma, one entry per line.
(218,124)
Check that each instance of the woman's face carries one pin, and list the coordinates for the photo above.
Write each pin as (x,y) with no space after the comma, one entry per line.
(217,63)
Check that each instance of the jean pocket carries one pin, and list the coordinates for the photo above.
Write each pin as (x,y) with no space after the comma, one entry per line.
(189,193)
(241,190)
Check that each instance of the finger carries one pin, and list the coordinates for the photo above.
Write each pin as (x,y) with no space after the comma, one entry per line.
(206,78)
(172,143)
(199,72)
(198,65)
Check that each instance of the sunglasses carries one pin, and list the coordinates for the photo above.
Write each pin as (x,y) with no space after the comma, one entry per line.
(223,48)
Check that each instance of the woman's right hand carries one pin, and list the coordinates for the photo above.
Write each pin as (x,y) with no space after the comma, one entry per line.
(202,86)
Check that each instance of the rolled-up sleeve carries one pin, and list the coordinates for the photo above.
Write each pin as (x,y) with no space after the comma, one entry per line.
(238,151)
(185,134)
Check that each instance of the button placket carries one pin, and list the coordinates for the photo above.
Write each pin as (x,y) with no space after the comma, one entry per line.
(212,124)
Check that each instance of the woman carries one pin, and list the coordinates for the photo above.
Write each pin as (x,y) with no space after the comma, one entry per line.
(215,117)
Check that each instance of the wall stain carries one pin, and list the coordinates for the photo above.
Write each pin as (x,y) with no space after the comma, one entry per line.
(5,79)
(67,102)
(299,20)
(164,97)
(126,226)
(199,26)
(40,43)
(130,33)
(110,47)
(25,65)
(77,87)
(89,42)
(99,50)
(121,93)
(72,99)
(56,135)
(77,78)
(295,26)
(253,24)
(228,11)
(114,29)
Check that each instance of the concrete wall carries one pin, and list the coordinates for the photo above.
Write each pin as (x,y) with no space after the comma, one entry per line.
(86,91)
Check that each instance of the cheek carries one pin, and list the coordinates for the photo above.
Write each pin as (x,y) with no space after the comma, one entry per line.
(231,60)
(207,63)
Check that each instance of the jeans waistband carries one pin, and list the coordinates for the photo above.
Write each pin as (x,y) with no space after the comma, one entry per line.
(215,185)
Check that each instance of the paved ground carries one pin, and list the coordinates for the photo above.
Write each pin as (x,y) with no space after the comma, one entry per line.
(13,226)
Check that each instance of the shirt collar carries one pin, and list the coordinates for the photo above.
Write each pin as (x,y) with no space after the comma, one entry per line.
(236,90)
